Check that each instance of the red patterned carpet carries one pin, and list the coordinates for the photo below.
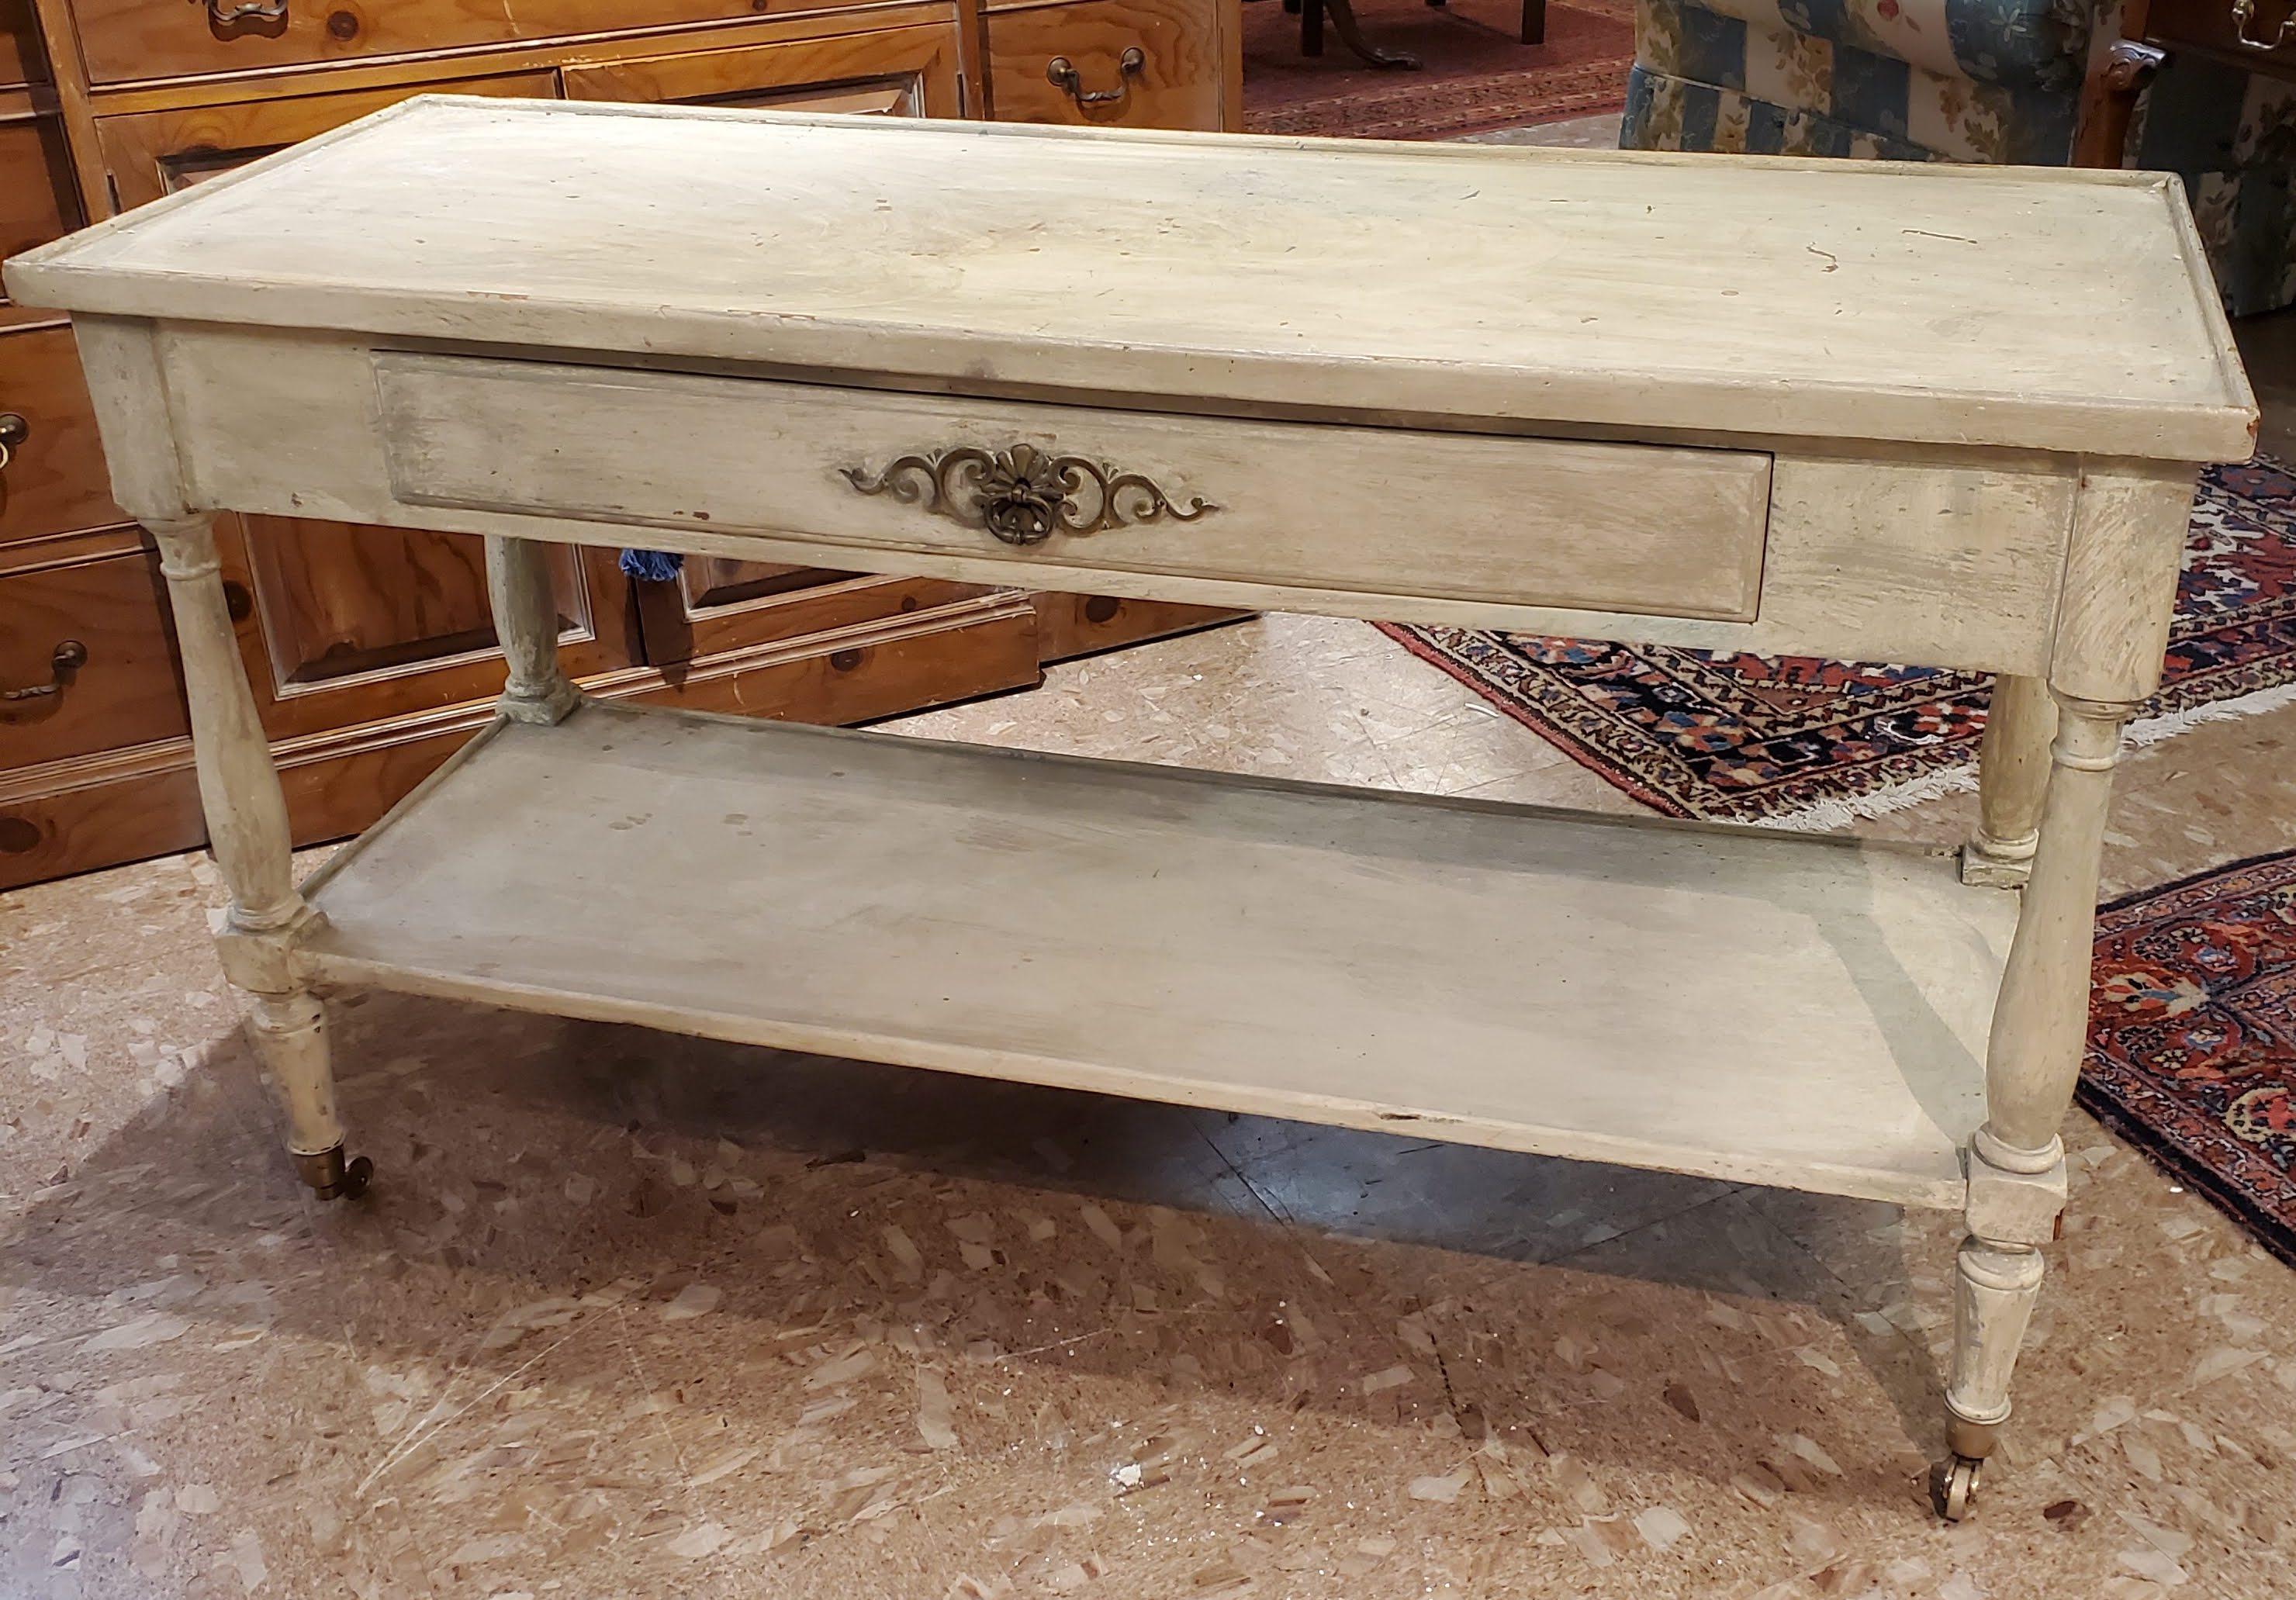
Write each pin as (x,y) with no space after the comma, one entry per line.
(2192,1036)
(1477,77)
(1791,741)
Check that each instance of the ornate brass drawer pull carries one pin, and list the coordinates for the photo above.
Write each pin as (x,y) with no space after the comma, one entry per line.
(67,658)
(266,17)
(1021,495)
(13,432)
(1062,72)
(2243,11)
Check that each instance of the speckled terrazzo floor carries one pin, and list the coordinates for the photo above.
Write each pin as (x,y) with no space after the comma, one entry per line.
(627,1315)
(631,1315)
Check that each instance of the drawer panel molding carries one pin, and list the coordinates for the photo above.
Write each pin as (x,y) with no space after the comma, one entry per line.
(1329,509)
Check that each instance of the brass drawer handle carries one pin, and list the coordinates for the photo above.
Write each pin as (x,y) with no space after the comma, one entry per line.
(1062,74)
(67,658)
(269,17)
(13,432)
(1023,496)
(2243,11)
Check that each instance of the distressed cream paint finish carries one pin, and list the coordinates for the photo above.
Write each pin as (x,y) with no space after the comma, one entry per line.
(1760,404)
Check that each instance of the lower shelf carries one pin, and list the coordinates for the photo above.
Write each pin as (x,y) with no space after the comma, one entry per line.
(1764,1007)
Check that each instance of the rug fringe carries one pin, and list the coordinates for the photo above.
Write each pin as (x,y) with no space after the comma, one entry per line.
(1833,816)
(2151,730)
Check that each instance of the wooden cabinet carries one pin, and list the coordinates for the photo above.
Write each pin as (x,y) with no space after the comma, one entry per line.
(372,649)
(1137,63)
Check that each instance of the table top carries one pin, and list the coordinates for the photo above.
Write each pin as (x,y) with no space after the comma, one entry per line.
(2034,309)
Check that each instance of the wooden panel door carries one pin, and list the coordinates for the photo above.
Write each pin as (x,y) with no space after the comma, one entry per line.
(716,604)
(346,624)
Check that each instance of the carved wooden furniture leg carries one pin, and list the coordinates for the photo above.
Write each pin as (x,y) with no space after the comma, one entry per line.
(2012,774)
(526,623)
(2112,631)
(2016,1160)
(1343,23)
(247,827)
(2118,70)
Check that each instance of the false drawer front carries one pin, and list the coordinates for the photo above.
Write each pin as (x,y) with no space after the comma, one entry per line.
(85,662)
(1132,63)
(133,39)
(53,479)
(1326,517)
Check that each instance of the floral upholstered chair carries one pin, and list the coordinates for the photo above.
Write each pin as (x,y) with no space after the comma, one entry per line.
(1966,80)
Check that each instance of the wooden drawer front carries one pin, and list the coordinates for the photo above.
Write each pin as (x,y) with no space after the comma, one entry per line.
(37,203)
(1318,516)
(20,58)
(106,615)
(131,39)
(55,481)
(888,71)
(1176,83)
(2268,34)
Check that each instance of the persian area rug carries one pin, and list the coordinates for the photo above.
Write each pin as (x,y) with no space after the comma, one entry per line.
(1477,76)
(2191,1052)
(1793,742)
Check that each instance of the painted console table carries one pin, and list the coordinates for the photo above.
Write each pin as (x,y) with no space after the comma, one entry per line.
(1766,405)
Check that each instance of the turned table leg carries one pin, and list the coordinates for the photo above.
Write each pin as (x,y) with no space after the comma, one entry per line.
(2012,774)
(248,830)
(526,622)
(2040,1027)
(2112,627)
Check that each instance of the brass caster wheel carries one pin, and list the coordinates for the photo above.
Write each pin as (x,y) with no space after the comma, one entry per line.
(332,1177)
(1953,1485)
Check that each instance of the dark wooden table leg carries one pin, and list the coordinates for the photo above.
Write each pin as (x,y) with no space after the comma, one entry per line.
(1311,26)
(1351,32)
(1534,21)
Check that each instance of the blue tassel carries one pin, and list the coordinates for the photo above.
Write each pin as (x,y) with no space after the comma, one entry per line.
(655,566)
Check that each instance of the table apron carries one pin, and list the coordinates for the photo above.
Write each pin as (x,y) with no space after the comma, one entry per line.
(1892,552)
